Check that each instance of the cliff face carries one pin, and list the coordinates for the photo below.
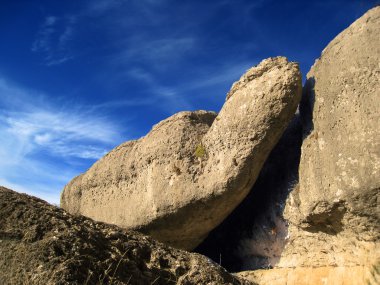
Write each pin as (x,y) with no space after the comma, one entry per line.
(321,208)
(334,211)
(42,244)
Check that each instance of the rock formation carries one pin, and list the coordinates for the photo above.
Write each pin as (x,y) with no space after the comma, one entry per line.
(183,178)
(188,174)
(333,212)
(254,235)
(336,204)
(42,244)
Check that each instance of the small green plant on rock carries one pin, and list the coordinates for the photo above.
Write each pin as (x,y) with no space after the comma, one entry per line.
(200,151)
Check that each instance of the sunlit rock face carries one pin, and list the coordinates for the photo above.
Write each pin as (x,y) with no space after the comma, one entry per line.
(334,212)
(324,275)
(186,176)
(328,206)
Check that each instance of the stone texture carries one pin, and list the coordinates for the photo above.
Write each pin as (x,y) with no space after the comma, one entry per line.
(183,178)
(356,275)
(254,235)
(42,244)
(334,212)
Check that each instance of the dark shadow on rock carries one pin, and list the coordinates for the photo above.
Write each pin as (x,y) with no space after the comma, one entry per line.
(328,221)
(307,106)
(255,233)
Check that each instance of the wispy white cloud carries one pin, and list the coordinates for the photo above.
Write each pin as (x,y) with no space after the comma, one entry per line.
(55,34)
(50,21)
(40,143)
(176,97)
(158,53)
(52,39)
(226,74)
(146,101)
(56,131)
(139,32)
(145,50)
(169,99)
(43,41)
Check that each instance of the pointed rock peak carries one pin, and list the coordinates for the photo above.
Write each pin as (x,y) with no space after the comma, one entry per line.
(257,71)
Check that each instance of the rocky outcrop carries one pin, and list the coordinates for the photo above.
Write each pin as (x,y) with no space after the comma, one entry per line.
(183,178)
(191,170)
(334,212)
(254,235)
(42,244)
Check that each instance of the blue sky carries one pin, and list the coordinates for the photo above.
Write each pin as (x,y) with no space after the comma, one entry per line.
(78,78)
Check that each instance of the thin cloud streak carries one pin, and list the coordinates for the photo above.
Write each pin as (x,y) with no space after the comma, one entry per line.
(56,33)
(166,98)
(53,38)
(51,127)
(125,103)
(43,41)
(229,73)
(176,97)
(52,131)
(39,141)
(157,53)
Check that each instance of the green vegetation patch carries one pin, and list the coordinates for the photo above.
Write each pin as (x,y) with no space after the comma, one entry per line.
(200,151)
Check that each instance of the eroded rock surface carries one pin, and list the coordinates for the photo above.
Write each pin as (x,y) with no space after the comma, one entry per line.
(325,275)
(42,244)
(183,178)
(254,235)
(334,212)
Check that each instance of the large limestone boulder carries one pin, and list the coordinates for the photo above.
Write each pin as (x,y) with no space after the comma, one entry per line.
(334,212)
(185,176)
(42,244)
